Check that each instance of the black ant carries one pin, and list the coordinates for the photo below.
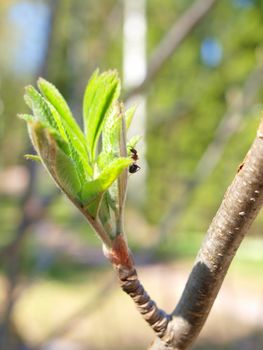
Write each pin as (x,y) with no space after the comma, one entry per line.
(134,154)
(133,168)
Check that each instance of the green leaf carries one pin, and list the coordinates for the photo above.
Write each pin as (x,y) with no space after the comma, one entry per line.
(26,117)
(67,126)
(67,174)
(112,136)
(58,164)
(58,120)
(32,157)
(105,215)
(44,115)
(111,131)
(39,107)
(45,112)
(129,114)
(133,142)
(76,149)
(104,158)
(52,94)
(102,90)
(95,188)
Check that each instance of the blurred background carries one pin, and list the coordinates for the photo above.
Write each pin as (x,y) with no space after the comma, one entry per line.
(195,70)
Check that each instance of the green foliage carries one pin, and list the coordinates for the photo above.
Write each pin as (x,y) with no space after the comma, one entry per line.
(100,94)
(93,190)
(83,171)
(129,114)
(105,179)
(50,92)
(187,100)
(33,157)
(67,127)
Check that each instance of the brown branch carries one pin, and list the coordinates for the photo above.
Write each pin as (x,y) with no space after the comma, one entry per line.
(120,257)
(241,203)
(172,40)
(130,284)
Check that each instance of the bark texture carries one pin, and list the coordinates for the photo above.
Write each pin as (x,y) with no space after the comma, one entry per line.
(240,205)
(155,317)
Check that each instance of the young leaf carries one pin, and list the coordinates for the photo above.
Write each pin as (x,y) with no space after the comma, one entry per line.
(129,114)
(27,117)
(44,115)
(104,158)
(58,120)
(113,143)
(77,148)
(39,107)
(101,92)
(67,125)
(67,174)
(133,141)
(51,93)
(111,131)
(58,164)
(109,174)
(105,215)
(32,157)
(45,112)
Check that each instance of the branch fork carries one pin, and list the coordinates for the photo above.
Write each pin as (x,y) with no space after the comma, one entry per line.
(94,177)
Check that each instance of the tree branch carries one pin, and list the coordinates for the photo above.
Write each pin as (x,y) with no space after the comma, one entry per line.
(241,203)
(172,40)
(121,258)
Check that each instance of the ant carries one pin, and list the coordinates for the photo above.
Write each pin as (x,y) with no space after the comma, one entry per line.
(133,168)
(134,154)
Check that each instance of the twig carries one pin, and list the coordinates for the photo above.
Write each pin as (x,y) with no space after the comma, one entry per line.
(172,40)
(122,260)
(241,203)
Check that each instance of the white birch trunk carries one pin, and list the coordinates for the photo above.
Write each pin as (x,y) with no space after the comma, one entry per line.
(134,71)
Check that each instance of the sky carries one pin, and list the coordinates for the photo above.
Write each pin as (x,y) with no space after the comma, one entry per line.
(30,23)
